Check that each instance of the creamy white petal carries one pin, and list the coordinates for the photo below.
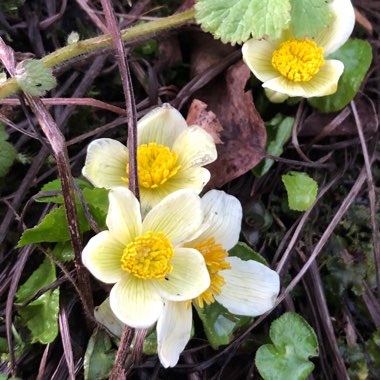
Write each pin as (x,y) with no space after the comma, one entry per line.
(250,288)
(326,81)
(162,125)
(323,83)
(222,221)
(178,216)
(192,178)
(257,54)
(188,279)
(104,315)
(106,163)
(124,217)
(173,332)
(332,38)
(102,255)
(136,302)
(195,147)
(274,96)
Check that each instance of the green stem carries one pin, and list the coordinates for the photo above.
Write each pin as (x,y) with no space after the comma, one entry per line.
(92,44)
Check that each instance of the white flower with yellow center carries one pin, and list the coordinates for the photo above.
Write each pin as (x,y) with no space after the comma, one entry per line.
(147,259)
(244,287)
(170,156)
(298,67)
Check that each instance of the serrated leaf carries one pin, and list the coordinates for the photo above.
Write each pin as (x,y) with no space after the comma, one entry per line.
(244,252)
(7,156)
(357,57)
(99,357)
(302,190)
(219,324)
(294,341)
(55,185)
(41,315)
(279,130)
(34,77)
(237,21)
(310,17)
(53,228)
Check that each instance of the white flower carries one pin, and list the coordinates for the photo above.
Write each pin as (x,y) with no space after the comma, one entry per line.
(243,287)
(146,259)
(298,67)
(170,156)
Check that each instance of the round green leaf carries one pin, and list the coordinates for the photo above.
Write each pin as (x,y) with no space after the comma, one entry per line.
(302,190)
(294,341)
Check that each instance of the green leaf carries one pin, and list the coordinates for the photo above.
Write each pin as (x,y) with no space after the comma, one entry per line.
(219,324)
(237,21)
(97,200)
(302,190)
(244,252)
(150,343)
(3,345)
(53,228)
(294,341)
(55,185)
(357,57)
(34,77)
(310,17)
(99,357)
(63,252)
(279,130)
(41,315)
(7,152)
(7,156)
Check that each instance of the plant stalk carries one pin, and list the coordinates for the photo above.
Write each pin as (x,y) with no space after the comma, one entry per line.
(90,45)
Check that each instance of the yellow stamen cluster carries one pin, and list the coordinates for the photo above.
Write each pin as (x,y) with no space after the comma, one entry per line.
(155,165)
(148,256)
(298,60)
(214,256)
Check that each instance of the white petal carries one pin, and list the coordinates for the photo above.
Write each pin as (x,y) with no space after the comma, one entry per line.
(257,54)
(123,218)
(323,83)
(102,257)
(173,332)
(104,315)
(274,96)
(332,38)
(136,302)
(222,221)
(250,288)
(162,125)
(188,279)
(178,216)
(192,178)
(106,163)
(326,81)
(195,147)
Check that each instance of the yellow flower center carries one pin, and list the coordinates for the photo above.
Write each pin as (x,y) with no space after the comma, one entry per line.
(148,256)
(155,165)
(298,60)
(214,256)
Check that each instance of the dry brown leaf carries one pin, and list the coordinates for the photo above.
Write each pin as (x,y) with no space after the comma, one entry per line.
(243,133)
(198,115)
